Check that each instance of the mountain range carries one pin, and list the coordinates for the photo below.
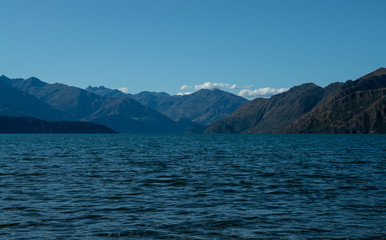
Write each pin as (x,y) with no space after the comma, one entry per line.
(351,107)
(343,107)
(202,107)
(116,110)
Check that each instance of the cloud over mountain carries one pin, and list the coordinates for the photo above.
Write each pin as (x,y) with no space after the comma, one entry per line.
(261,92)
(245,91)
(184,93)
(124,90)
(210,85)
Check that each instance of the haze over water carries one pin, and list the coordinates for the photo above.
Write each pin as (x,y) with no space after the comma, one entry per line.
(192,186)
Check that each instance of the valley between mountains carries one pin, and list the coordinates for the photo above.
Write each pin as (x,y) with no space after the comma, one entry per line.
(344,107)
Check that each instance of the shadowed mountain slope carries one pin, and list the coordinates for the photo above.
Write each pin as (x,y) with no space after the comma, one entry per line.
(127,115)
(107,92)
(74,101)
(14,102)
(123,115)
(360,107)
(350,107)
(271,115)
(203,107)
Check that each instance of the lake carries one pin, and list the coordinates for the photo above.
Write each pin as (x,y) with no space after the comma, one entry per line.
(275,186)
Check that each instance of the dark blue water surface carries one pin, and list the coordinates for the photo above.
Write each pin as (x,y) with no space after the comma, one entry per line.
(193,186)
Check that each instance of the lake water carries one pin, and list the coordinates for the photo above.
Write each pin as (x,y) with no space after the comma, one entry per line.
(192,186)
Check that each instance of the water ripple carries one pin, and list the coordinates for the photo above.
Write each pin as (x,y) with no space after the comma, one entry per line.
(192,186)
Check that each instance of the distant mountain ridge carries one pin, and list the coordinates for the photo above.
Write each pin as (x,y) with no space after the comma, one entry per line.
(107,92)
(202,107)
(64,102)
(351,107)
(14,102)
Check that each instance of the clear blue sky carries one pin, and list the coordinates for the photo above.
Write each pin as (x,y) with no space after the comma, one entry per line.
(161,45)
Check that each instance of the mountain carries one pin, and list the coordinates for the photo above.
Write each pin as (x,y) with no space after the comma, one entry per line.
(360,107)
(107,92)
(122,115)
(14,102)
(350,107)
(202,107)
(127,115)
(156,100)
(76,102)
(33,125)
(272,115)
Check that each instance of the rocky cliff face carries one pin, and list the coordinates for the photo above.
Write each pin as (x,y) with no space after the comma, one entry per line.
(360,107)
(270,115)
(351,107)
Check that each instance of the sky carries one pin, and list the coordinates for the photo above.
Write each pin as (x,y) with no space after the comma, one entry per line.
(253,48)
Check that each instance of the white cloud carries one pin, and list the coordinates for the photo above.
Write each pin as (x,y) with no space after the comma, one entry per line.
(184,87)
(245,91)
(248,86)
(210,85)
(207,85)
(261,92)
(184,93)
(124,90)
